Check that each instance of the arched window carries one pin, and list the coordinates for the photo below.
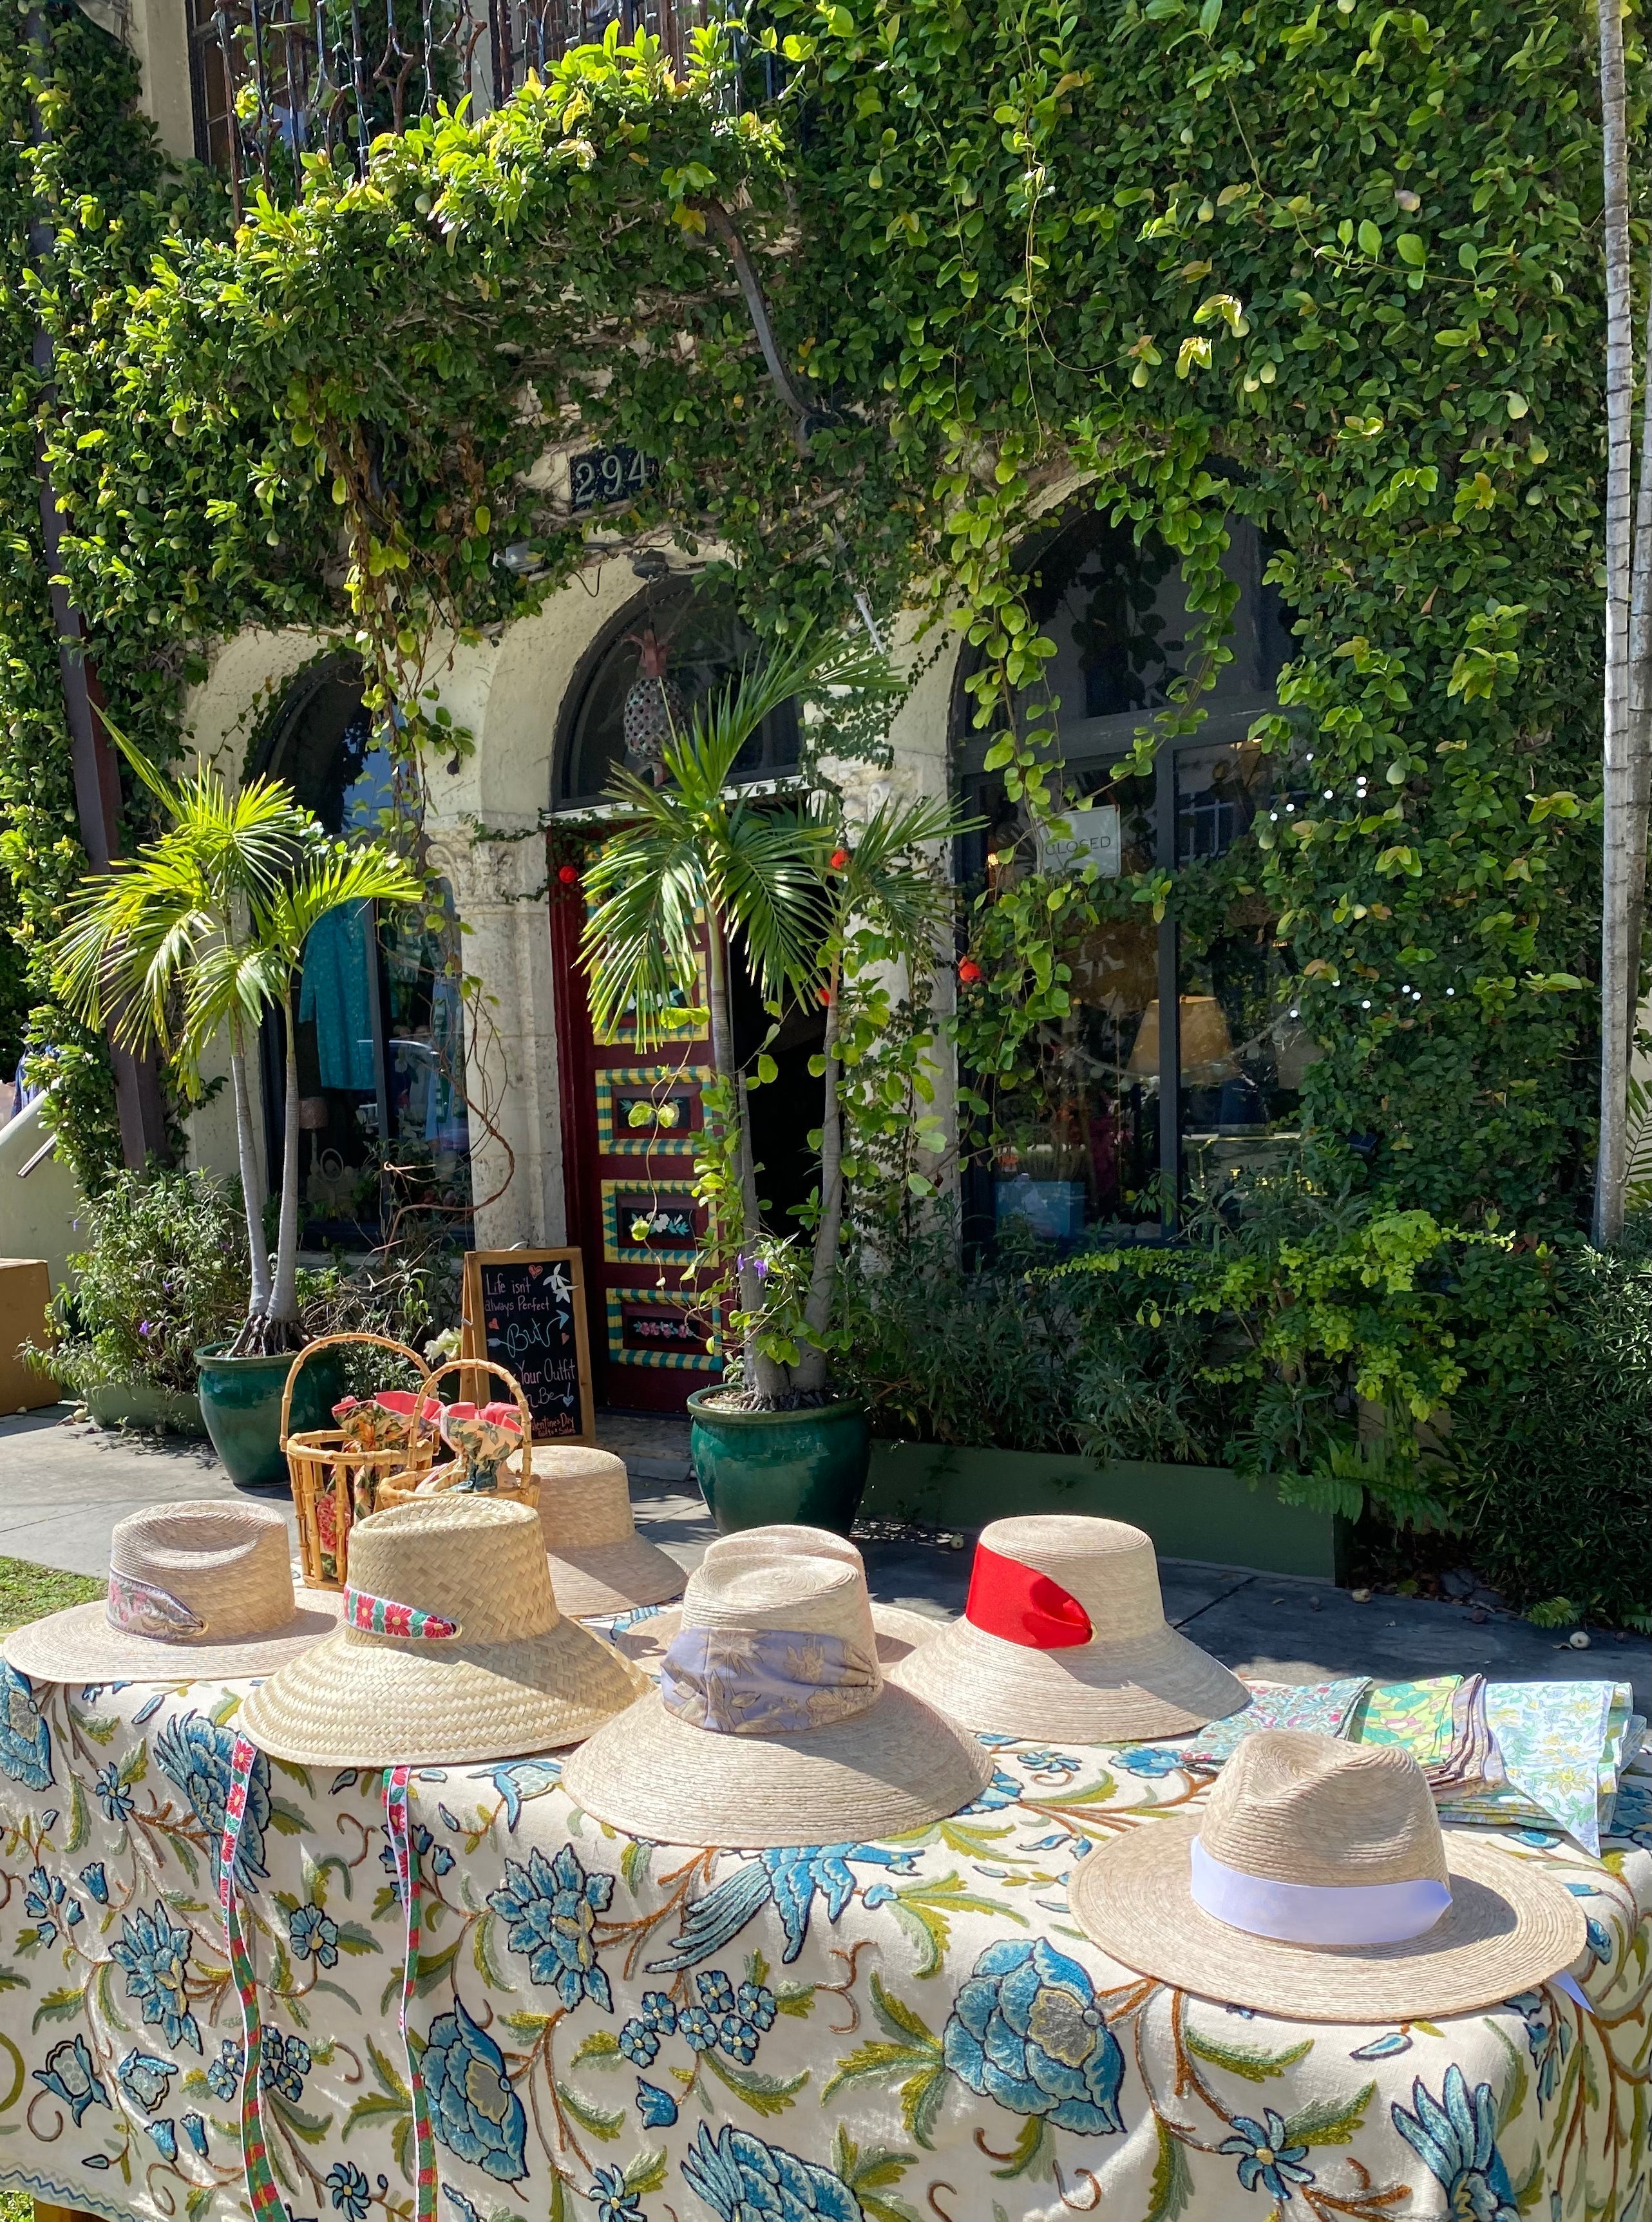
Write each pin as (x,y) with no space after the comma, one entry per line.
(380,1037)
(1172,1071)
(673,645)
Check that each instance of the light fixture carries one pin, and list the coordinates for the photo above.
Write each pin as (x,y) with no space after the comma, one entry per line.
(649,564)
(521,558)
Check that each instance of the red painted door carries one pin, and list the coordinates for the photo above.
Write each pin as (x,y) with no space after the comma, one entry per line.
(629,1124)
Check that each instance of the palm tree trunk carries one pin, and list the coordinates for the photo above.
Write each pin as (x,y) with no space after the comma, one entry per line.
(284,1306)
(258,1299)
(1616,879)
(1640,688)
(764,1375)
(810,1376)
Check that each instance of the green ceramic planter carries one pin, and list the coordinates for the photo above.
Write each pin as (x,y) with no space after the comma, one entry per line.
(754,1468)
(136,1404)
(241,1402)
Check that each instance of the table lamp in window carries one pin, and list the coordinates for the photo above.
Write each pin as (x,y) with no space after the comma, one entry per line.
(1207,1045)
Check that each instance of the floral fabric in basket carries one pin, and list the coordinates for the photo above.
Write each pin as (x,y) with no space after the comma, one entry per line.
(608,2030)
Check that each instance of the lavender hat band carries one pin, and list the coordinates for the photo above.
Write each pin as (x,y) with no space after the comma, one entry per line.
(1315,1913)
(140,1608)
(769,1681)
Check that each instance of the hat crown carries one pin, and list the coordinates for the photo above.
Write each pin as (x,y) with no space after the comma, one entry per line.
(585,1498)
(786,1540)
(229,1565)
(1110,1567)
(784,1590)
(1296,1808)
(461,1557)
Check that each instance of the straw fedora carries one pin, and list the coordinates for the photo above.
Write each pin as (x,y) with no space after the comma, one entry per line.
(1064,1634)
(1316,1884)
(772,1724)
(450,1648)
(598,1563)
(897,1630)
(196,1591)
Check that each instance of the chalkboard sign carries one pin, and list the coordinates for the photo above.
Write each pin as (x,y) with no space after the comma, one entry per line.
(524,1309)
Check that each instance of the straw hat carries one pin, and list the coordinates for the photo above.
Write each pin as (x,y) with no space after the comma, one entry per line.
(197,1592)
(451,1649)
(1064,1634)
(897,1630)
(598,1563)
(772,1724)
(1307,1837)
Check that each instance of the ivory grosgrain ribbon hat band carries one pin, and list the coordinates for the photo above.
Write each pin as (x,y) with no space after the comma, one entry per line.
(1318,1885)
(197,1592)
(598,1563)
(897,1631)
(773,1724)
(450,1648)
(1064,1634)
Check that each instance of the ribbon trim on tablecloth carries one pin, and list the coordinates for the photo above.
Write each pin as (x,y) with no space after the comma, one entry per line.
(406,1858)
(1022,1605)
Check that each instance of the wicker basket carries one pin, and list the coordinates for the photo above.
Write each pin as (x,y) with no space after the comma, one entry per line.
(337,1478)
(521,1487)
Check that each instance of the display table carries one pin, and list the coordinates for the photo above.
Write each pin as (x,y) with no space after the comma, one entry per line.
(874,2032)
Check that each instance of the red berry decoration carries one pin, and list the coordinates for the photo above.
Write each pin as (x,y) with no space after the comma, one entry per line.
(568,876)
(839,859)
(969,971)
(825,995)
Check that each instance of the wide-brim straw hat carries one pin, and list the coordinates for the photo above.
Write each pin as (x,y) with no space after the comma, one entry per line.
(898,1631)
(451,1649)
(197,1592)
(598,1563)
(1315,1816)
(765,1641)
(1088,1656)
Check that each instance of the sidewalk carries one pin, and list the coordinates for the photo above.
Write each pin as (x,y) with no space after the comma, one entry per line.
(63,1487)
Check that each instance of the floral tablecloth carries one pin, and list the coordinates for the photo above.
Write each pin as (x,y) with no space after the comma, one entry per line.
(606,2030)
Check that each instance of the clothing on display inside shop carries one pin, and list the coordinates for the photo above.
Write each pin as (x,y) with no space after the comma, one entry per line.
(335,995)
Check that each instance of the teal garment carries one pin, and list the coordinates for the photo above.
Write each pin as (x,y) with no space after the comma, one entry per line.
(335,995)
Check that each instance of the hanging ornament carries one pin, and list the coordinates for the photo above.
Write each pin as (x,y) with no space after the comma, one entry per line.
(654,709)
(969,971)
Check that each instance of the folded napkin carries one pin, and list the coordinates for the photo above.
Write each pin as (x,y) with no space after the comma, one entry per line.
(1324,1707)
(1563,1746)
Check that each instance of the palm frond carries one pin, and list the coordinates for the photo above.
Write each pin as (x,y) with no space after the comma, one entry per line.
(766,883)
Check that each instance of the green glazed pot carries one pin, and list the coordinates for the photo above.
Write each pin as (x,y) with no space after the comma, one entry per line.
(754,1468)
(137,1404)
(241,1402)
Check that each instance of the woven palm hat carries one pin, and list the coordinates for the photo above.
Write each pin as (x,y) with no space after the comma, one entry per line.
(450,1648)
(897,1630)
(772,1724)
(197,1592)
(598,1563)
(1307,1837)
(1064,1634)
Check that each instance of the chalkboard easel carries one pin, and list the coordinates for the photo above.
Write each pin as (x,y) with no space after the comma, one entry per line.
(524,1309)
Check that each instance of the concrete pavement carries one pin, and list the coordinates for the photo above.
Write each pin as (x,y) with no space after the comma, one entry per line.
(63,1486)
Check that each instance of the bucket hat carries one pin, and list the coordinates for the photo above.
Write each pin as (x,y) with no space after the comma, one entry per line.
(598,1563)
(450,1648)
(897,1630)
(1318,1886)
(196,1591)
(772,1724)
(1064,1634)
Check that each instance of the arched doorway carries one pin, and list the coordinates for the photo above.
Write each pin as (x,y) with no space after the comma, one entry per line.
(629,1121)
(1174,1068)
(380,1034)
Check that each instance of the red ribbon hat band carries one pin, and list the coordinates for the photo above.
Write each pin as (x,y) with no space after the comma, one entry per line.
(1022,1605)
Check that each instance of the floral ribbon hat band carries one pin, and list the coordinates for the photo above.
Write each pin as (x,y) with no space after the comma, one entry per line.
(1064,1634)
(197,1592)
(1317,1885)
(774,1724)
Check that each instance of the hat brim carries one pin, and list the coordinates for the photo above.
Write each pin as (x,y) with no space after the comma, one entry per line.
(78,1645)
(364,1700)
(898,1632)
(1160,1685)
(603,1577)
(895,1768)
(1508,1927)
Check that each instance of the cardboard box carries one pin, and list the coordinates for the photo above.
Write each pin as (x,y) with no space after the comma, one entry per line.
(25,1292)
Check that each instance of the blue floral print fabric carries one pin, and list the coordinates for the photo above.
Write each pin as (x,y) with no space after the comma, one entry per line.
(612,2030)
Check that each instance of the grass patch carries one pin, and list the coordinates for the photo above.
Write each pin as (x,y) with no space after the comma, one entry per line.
(26,1593)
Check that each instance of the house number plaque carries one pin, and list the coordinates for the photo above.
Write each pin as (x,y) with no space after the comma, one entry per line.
(603,475)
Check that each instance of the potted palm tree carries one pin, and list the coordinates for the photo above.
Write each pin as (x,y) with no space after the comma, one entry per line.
(196,939)
(700,864)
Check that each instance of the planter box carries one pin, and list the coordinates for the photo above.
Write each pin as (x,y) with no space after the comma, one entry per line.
(135,1404)
(1198,1512)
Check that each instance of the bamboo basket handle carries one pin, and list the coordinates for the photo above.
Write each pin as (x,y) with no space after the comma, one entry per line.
(329,1342)
(490,1365)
